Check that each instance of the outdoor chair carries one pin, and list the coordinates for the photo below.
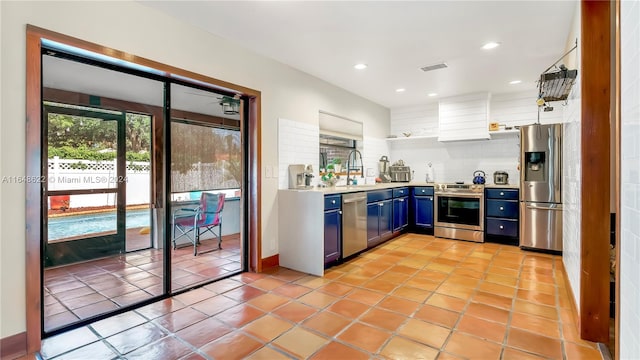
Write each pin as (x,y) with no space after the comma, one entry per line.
(193,222)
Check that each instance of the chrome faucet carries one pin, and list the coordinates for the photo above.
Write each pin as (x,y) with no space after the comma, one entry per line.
(355,154)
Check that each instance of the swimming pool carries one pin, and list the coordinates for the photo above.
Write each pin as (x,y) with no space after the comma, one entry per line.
(77,225)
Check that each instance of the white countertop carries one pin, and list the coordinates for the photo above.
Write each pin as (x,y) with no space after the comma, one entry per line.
(382,186)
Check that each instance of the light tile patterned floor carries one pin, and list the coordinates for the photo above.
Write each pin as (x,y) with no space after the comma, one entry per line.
(415,297)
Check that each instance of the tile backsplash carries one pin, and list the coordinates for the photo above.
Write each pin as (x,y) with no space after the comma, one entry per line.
(298,143)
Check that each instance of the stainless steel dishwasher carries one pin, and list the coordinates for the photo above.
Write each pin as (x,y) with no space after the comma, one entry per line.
(354,223)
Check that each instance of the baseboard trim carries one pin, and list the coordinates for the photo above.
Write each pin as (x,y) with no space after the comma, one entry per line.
(13,346)
(569,290)
(271,261)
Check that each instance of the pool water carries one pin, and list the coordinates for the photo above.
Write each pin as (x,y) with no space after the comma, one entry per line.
(76,225)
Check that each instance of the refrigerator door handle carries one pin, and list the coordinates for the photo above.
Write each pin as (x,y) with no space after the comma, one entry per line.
(544,208)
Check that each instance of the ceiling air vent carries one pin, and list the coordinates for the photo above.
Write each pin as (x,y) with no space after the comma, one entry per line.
(434,67)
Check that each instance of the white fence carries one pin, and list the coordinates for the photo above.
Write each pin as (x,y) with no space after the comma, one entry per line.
(72,174)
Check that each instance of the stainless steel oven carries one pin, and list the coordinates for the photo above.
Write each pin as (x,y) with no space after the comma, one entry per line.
(459,212)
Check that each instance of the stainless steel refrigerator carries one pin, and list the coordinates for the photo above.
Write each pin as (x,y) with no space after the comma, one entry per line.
(541,187)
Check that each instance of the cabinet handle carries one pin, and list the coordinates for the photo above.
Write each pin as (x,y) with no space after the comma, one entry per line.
(423,191)
(501,208)
(501,193)
(501,227)
(340,212)
(401,191)
(401,200)
(333,201)
(381,204)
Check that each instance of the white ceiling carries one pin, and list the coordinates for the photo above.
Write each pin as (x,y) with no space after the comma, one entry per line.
(395,39)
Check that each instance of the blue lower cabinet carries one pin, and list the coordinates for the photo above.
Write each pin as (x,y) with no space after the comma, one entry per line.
(502,211)
(422,207)
(379,222)
(400,213)
(332,229)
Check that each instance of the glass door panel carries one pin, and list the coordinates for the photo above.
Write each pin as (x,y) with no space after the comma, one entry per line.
(206,168)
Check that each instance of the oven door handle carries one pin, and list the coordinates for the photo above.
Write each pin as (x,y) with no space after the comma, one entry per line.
(463,195)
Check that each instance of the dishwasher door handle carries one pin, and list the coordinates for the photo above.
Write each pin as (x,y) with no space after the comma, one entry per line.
(349,201)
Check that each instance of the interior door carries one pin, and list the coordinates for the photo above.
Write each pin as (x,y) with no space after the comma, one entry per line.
(84,199)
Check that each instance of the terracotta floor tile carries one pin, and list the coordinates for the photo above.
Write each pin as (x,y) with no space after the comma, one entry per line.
(431,275)
(222,286)
(380,285)
(424,332)
(384,319)
(457,291)
(515,354)
(312,281)
(364,337)
(167,348)
(136,337)
(204,332)
(95,309)
(267,327)
(536,297)
(411,293)
(69,340)
(194,296)
(268,302)
(403,269)
(497,289)
(494,300)
(488,312)
(299,342)
(318,299)
(421,283)
(536,286)
(327,323)
(214,305)
(437,315)
(500,279)
(535,324)
(295,311)
(118,323)
(353,279)
(365,296)
(440,267)
(96,350)
(399,305)
(447,356)
(468,273)
(471,347)
(267,353)
(335,351)
(267,283)
(291,290)
(483,329)
(393,277)
(535,343)
(536,309)
(244,293)
(84,300)
(180,319)
(497,270)
(239,315)
(399,348)
(447,302)
(336,289)
(235,345)
(349,309)
(462,281)
(574,351)
(160,308)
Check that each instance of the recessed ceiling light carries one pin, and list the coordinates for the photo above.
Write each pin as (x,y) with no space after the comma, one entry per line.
(432,94)
(490,45)
(515,82)
(360,66)
(400,90)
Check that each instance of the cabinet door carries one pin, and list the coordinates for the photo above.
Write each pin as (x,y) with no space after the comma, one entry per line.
(386,218)
(332,234)
(373,231)
(400,213)
(423,211)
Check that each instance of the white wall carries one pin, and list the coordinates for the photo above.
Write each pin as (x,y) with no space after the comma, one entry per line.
(630,182)
(142,31)
(571,172)
(456,161)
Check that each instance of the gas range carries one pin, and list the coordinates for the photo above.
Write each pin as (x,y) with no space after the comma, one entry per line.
(458,188)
